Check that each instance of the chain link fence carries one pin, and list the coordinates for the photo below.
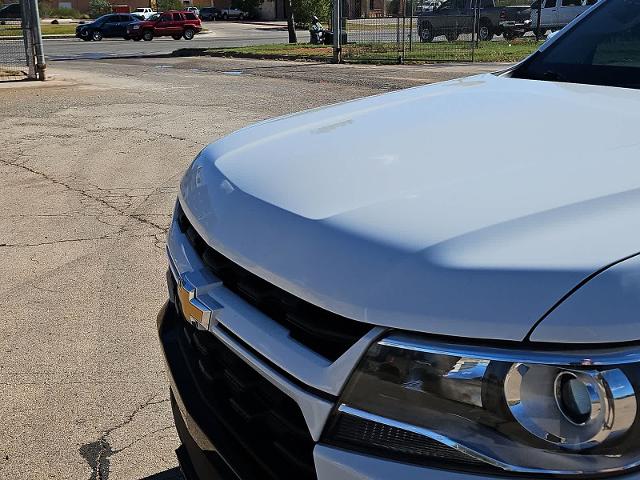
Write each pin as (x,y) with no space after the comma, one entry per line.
(21,53)
(430,30)
(13,53)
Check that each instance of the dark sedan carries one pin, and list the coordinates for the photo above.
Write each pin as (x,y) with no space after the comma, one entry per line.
(12,11)
(112,25)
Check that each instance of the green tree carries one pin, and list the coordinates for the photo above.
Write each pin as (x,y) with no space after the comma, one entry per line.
(99,7)
(249,6)
(164,5)
(305,9)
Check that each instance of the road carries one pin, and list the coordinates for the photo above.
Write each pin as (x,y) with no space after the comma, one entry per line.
(221,34)
(90,166)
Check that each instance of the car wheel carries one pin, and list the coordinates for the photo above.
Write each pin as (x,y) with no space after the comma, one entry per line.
(426,33)
(485,33)
(96,35)
(147,35)
(188,34)
(225,16)
(176,36)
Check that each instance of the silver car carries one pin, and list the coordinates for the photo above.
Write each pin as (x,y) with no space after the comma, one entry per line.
(370,291)
(232,13)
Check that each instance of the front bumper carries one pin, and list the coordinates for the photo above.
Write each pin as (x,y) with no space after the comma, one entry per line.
(212,449)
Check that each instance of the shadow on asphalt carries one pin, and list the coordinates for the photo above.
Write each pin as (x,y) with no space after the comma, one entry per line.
(172,474)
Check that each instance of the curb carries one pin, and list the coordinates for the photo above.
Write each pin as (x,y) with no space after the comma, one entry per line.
(203,52)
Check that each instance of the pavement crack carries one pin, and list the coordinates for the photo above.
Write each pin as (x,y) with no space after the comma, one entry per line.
(86,194)
(142,438)
(107,236)
(98,454)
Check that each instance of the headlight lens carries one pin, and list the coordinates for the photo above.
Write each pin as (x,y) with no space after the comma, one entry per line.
(529,412)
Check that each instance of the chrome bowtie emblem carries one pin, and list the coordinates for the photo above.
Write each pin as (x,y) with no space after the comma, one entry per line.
(193,290)
(193,309)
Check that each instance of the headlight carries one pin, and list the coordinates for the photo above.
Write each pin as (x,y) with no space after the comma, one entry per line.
(136,27)
(538,412)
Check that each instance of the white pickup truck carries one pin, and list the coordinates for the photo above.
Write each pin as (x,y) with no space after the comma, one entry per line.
(144,12)
(556,14)
(344,306)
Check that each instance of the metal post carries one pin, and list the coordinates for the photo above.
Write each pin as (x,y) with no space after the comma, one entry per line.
(404,31)
(28,38)
(411,26)
(337,31)
(474,35)
(538,31)
(398,51)
(36,33)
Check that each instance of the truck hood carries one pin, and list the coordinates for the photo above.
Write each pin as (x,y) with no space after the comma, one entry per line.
(467,208)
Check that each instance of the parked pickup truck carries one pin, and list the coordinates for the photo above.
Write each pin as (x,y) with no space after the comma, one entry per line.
(173,24)
(144,12)
(229,13)
(556,14)
(455,17)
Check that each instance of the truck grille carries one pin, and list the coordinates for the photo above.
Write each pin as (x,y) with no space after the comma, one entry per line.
(355,433)
(322,331)
(258,430)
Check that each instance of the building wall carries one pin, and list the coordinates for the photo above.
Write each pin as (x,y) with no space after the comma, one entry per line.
(83,5)
(212,3)
(269,10)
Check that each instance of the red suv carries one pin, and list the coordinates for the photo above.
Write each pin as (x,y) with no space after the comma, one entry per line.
(175,24)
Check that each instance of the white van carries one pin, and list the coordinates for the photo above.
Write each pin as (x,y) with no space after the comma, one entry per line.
(558,13)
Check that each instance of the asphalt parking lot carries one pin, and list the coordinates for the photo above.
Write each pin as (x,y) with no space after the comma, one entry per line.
(89,172)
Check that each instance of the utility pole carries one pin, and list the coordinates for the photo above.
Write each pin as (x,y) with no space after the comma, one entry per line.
(337,31)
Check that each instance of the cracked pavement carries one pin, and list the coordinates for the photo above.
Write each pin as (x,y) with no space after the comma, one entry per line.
(89,169)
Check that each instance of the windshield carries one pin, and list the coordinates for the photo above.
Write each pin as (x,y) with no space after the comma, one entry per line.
(102,19)
(602,49)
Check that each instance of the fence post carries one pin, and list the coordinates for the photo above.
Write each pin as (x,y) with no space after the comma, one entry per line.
(411,25)
(27,37)
(474,32)
(539,29)
(404,31)
(337,31)
(36,33)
